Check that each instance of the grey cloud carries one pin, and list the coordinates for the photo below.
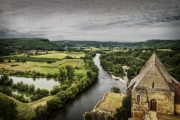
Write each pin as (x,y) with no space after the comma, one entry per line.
(90,19)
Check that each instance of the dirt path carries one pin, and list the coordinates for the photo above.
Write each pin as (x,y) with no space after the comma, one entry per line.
(152,115)
(40,102)
(10,97)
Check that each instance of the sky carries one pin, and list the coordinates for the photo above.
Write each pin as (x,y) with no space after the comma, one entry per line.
(97,20)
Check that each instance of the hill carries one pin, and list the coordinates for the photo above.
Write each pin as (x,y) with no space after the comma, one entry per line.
(9,45)
(161,44)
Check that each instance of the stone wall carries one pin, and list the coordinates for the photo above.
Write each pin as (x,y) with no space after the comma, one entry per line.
(177,109)
(138,115)
(153,76)
(164,101)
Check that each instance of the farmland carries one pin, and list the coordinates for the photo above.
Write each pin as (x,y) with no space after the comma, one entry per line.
(39,63)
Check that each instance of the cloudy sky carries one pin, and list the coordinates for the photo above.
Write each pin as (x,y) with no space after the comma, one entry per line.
(105,20)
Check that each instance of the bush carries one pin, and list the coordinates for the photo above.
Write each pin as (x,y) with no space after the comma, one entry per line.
(69,57)
(41,111)
(115,90)
(87,116)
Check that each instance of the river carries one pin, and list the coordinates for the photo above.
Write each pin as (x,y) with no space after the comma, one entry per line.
(86,100)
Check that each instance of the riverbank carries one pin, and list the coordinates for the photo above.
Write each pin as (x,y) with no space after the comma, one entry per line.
(125,78)
(108,105)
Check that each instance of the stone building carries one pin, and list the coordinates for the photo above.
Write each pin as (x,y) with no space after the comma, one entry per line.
(153,90)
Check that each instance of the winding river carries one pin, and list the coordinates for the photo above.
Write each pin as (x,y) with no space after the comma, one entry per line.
(86,100)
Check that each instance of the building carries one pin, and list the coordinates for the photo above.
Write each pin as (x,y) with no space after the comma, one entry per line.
(154,89)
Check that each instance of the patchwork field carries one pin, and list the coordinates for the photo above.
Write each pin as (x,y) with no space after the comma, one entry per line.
(44,67)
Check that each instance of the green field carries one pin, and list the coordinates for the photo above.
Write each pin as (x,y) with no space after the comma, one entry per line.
(61,55)
(44,67)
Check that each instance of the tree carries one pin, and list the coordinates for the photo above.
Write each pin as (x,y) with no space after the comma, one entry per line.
(62,74)
(87,116)
(69,72)
(124,112)
(55,90)
(62,95)
(31,88)
(54,104)
(115,90)
(8,109)
(41,111)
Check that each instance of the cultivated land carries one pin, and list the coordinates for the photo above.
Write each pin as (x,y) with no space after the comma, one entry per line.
(44,67)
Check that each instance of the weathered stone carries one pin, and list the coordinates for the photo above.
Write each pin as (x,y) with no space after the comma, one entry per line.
(153,89)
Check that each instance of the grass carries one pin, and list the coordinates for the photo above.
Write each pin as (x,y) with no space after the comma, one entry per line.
(42,67)
(76,54)
(26,110)
(162,116)
(61,55)
(54,55)
(111,102)
(164,49)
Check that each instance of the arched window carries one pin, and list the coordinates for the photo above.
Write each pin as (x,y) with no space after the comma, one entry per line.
(138,98)
(153,85)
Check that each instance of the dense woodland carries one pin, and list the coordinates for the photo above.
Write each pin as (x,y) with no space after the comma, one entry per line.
(113,62)
(8,46)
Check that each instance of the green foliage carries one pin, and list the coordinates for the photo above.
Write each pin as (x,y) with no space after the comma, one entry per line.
(171,60)
(21,98)
(69,57)
(54,103)
(8,109)
(41,111)
(33,59)
(69,72)
(39,93)
(113,62)
(124,112)
(55,90)
(5,80)
(87,116)
(6,91)
(66,72)
(29,44)
(115,90)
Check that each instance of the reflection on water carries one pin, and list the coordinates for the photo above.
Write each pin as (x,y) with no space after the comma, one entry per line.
(24,94)
(86,100)
(41,83)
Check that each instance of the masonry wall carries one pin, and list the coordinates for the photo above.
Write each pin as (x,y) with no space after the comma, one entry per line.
(153,76)
(160,92)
